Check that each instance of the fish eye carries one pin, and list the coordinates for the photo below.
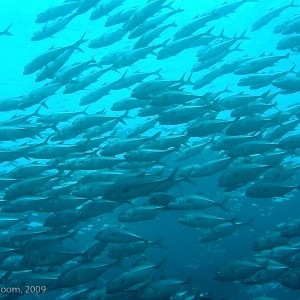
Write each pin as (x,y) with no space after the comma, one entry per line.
(107,191)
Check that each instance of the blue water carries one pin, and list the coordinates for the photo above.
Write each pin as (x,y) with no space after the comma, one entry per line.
(185,256)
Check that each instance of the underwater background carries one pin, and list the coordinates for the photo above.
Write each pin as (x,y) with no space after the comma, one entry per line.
(180,255)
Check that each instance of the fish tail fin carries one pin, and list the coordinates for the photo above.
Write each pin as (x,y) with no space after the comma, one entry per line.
(80,50)
(235,35)
(227,90)
(250,222)
(173,175)
(237,47)
(221,34)
(233,220)
(169,5)
(43,103)
(189,281)
(36,112)
(265,94)
(161,263)
(223,205)
(123,76)
(119,263)
(155,136)
(292,4)
(292,69)
(159,243)
(174,24)
(163,44)
(6,31)
(212,140)
(79,42)
(53,127)
(26,218)
(265,265)
(189,81)
(113,134)
(121,120)
(84,112)
(72,235)
(5,277)
(45,142)
(157,73)
(126,115)
(197,294)
(274,105)
(181,80)
(243,35)
(210,30)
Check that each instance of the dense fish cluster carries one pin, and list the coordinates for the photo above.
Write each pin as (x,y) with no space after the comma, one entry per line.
(276,259)
(87,172)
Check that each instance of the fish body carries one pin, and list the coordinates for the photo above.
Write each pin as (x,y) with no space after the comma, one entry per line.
(56,12)
(194,201)
(83,273)
(221,231)
(269,241)
(269,190)
(256,64)
(6,31)
(161,289)
(236,270)
(140,213)
(202,220)
(270,15)
(50,29)
(104,8)
(117,234)
(107,39)
(238,175)
(130,278)
(206,169)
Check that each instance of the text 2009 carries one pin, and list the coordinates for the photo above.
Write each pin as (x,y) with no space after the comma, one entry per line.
(35,289)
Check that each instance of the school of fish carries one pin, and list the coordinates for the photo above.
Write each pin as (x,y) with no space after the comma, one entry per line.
(67,171)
